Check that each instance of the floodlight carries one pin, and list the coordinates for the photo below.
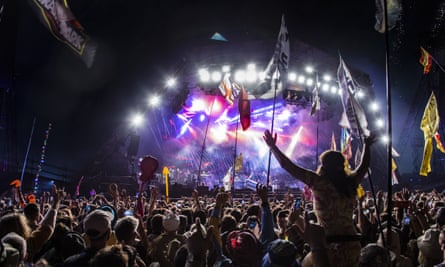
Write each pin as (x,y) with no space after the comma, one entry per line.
(240,75)
(309,69)
(385,139)
(360,94)
(374,106)
(292,76)
(301,79)
(333,89)
(216,76)
(251,76)
(154,101)
(171,82)
(380,123)
(137,119)
(309,82)
(327,77)
(204,75)
(251,66)
(325,87)
(262,75)
(226,68)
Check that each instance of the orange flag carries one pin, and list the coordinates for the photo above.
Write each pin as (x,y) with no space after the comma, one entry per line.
(426,60)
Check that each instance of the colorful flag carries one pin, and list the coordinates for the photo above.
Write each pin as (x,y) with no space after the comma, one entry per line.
(426,60)
(333,143)
(394,11)
(244,109)
(275,75)
(315,97)
(395,176)
(429,126)
(356,118)
(345,143)
(439,144)
(226,89)
(57,17)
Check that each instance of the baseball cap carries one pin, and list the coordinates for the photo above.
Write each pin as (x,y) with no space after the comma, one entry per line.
(97,223)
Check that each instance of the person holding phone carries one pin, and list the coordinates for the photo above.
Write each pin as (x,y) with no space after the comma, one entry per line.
(334,189)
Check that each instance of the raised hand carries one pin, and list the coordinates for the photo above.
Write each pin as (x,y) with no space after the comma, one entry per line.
(261,191)
(269,139)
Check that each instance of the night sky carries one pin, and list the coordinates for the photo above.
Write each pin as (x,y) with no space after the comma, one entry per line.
(142,42)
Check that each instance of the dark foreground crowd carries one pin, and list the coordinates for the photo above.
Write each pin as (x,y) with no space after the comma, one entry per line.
(259,230)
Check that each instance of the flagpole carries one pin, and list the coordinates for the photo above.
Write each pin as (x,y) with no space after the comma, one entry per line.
(273,118)
(232,181)
(204,145)
(437,63)
(27,151)
(389,123)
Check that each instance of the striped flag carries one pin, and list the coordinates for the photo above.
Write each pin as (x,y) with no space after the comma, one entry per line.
(426,60)
(60,21)
(355,116)
(226,89)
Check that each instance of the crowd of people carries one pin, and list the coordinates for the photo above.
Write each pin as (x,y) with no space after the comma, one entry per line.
(331,224)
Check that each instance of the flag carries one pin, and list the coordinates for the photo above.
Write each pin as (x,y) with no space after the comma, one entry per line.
(358,157)
(394,10)
(439,144)
(275,75)
(228,180)
(429,126)
(333,143)
(239,162)
(360,191)
(395,177)
(226,89)
(345,143)
(315,97)
(356,118)
(244,109)
(60,21)
(426,60)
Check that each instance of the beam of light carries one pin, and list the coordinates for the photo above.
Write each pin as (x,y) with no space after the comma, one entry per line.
(293,143)
(184,128)
(223,117)
(137,119)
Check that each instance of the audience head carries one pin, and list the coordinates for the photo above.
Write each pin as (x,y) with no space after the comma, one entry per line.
(170,222)
(280,253)
(97,225)
(125,230)
(243,248)
(111,256)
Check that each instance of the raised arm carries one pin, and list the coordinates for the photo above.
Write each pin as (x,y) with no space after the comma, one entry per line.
(302,174)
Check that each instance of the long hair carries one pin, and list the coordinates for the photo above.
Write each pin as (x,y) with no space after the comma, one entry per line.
(335,168)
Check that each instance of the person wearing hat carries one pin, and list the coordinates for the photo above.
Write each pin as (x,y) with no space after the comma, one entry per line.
(280,253)
(97,227)
(159,248)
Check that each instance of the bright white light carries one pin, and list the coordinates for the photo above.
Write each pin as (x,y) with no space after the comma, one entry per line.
(340,91)
(309,69)
(385,139)
(251,66)
(360,94)
(226,68)
(154,101)
(261,75)
(293,143)
(327,77)
(171,82)
(204,75)
(251,76)
(292,76)
(198,105)
(380,123)
(137,119)
(202,117)
(216,76)
(325,87)
(218,133)
(309,82)
(374,106)
(333,89)
(240,76)
(301,79)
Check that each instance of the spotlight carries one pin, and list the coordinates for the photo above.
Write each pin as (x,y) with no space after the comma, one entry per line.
(171,82)
(204,75)
(251,76)
(226,68)
(309,69)
(251,66)
(327,77)
(325,87)
(301,79)
(154,101)
(380,123)
(137,119)
(216,76)
(333,89)
(292,76)
(240,76)
(385,139)
(374,106)
(360,94)
(309,82)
